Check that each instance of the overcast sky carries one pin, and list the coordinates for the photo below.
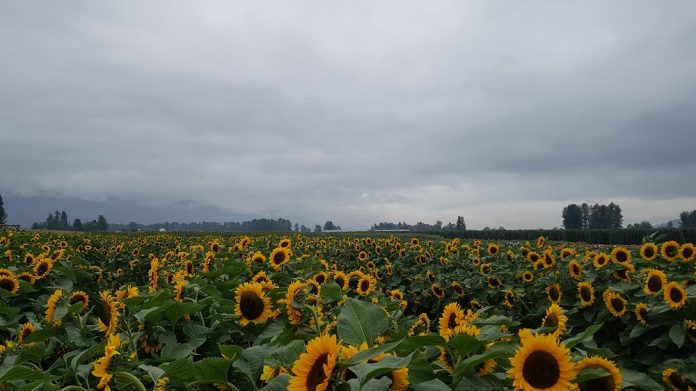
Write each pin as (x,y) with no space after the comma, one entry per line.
(355,111)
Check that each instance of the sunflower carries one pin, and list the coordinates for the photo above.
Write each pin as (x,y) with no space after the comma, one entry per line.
(615,303)
(320,278)
(556,319)
(445,360)
(624,273)
(415,242)
(540,363)
(284,243)
(670,250)
(540,241)
(314,368)
(108,313)
(586,294)
(51,307)
(654,282)
(258,257)
(494,282)
(153,276)
(686,252)
(458,290)
(533,257)
(29,259)
(675,295)
(452,317)
(100,368)
(527,277)
(493,249)
(553,292)
(476,262)
(691,329)
(9,283)
(279,257)
(566,252)
(79,297)
(648,251)
(575,270)
(437,291)
(341,279)
(24,331)
(253,306)
(42,268)
(608,383)
(294,314)
(485,368)
(641,312)
(675,380)
(485,268)
(600,260)
(270,372)
(366,284)
(421,325)
(620,255)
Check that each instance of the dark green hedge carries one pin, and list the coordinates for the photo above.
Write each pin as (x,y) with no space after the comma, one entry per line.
(594,236)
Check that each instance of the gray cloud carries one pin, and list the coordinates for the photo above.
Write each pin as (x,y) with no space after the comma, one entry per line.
(358,111)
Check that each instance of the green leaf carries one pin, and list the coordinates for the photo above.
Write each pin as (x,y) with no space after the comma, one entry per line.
(179,370)
(678,334)
(432,385)
(24,373)
(360,322)
(33,353)
(591,373)
(639,380)
(232,352)
(584,336)
(381,384)
(369,371)
(154,372)
(286,355)
(278,383)
(421,341)
(369,353)
(42,335)
(177,310)
(330,292)
(213,370)
(464,344)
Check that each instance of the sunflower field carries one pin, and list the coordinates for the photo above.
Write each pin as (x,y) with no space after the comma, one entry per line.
(164,311)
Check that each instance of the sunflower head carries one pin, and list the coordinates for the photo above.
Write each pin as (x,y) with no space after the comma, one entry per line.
(9,283)
(437,291)
(314,368)
(675,295)
(675,380)
(540,363)
(79,297)
(612,382)
(42,268)
(279,257)
(670,250)
(654,281)
(553,292)
(686,252)
(641,312)
(615,303)
(648,251)
(556,319)
(586,294)
(620,255)
(253,306)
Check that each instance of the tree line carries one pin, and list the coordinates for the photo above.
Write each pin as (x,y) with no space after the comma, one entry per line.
(59,221)
(592,217)
(420,226)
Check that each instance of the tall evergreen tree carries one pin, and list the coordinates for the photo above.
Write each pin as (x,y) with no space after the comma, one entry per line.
(572,217)
(3,215)
(64,220)
(101,223)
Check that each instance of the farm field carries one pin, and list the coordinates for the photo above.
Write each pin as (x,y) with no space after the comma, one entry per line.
(167,311)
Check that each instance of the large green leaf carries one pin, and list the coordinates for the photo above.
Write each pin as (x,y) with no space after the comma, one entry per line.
(367,371)
(639,380)
(24,373)
(584,336)
(213,370)
(360,322)
(678,334)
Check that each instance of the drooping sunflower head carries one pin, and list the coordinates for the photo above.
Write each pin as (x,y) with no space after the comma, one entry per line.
(79,297)
(494,282)
(586,294)
(612,382)
(295,289)
(566,252)
(51,306)
(615,303)
(670,250)
(654,281)
(675,295)
(253,306)
(314,368)
(29,278)
(24,331)
(540,363)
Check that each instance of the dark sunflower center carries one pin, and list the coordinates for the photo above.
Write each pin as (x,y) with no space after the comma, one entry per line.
(250,305)
(676,295)
(551,321)
(320,279)
(643,313)
(617,304)
(189,268)
(541,369)
(586,293)
(25,277)
(279,258)
(622,274)
(437,290)
(621,256)
(452,321)
(671,250)
(687,252)
(77,298)
(649,252)
(340,281)
(678,381)
(458,289)
(364,285)
(554,294)
(7,284)
(654,284)
(576,269)
(601,260)
(316,375)
(41,270)
(601,384)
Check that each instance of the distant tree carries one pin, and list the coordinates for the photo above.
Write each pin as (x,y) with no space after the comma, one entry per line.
(585,215)
(77,225)
(317,228)
(64,220)
(688,219)
(304,229)
(641,225)
(50,224)
(438,225)
(133,226)
(329,226)
(3,214)
(670,224)
(297,228)
(572,217)
(615,216)
(461,225)
(102,225)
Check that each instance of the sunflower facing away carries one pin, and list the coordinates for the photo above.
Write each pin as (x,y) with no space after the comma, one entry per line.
(607,383)
(253,306)
(540,363)
(314,368)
